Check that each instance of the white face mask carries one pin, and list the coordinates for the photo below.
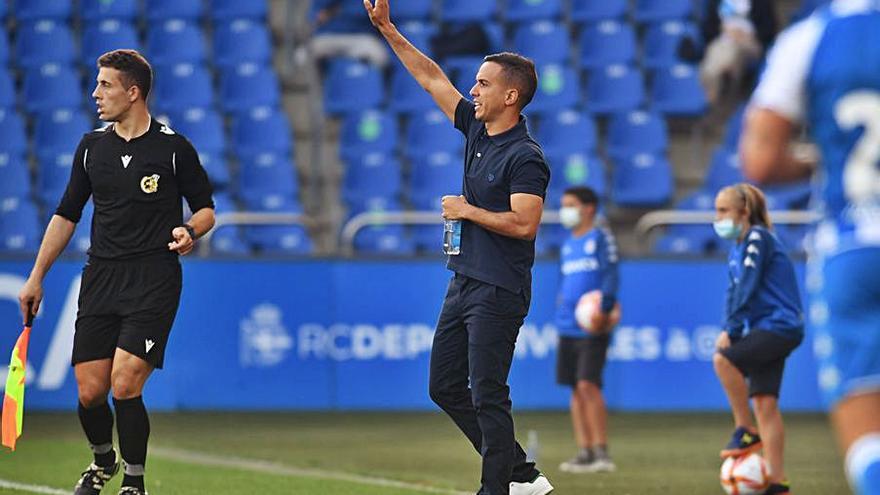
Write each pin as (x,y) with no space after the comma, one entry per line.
(570,216)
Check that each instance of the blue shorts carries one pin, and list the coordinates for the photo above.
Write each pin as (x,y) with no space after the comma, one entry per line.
(845,313)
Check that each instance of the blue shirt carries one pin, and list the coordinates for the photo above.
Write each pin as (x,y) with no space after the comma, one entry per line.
(589,262)
(823,72)
(762,292)
(495,167)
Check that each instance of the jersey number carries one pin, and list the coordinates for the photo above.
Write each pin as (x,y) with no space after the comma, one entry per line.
(861,175)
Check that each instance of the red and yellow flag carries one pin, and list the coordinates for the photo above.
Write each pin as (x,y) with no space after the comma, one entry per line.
(13,399)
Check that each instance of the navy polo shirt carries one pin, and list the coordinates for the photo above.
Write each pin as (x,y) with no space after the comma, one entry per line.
(494,168)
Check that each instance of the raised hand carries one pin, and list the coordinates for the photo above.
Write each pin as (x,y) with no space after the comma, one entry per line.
(379,13)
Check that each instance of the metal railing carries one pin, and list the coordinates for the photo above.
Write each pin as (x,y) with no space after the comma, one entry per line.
(659,218)
(252,218)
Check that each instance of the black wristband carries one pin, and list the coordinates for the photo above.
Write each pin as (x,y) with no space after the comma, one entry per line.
(192,232)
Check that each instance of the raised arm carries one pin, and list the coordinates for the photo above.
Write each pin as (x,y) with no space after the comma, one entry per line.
(423,69)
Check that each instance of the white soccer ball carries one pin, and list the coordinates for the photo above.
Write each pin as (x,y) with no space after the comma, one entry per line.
(588,304)
(744,475)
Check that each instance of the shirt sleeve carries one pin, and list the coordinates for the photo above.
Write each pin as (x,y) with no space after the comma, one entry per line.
(739,295)
(608,261)
(192,178)
(79,186)
(530,176)
(782,87)
(464,116)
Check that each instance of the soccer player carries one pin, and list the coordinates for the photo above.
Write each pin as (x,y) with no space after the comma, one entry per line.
(136,171)
(763,325)
(589,262)
(505,179)
(824,74)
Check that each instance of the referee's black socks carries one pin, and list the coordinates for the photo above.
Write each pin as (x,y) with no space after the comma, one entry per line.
(133,427)
(97,422)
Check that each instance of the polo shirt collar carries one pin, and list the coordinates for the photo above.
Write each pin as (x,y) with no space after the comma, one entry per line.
(516,132)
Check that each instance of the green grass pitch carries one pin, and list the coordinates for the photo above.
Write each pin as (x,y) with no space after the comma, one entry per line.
(355,453)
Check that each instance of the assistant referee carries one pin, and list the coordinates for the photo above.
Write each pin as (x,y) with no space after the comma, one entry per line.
(136,170)
(505,180)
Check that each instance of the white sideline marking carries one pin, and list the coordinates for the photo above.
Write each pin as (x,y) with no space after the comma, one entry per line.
(24,487)
(267,467)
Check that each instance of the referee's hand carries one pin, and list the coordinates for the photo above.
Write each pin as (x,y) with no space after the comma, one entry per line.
(29,298)
(182,243)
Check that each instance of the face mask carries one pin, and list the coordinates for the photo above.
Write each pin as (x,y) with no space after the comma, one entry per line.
(726,229)
(570,216)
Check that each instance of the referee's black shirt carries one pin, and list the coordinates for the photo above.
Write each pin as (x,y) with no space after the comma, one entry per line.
(136,187)
(494,168)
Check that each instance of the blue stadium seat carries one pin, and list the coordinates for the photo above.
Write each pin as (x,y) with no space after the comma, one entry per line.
(558,89)
(382,239)
(617,88)
(59,131)
(15,179)
(175,41)
(202,126)
(662,10)
(369,176)
(793,237)
(545,42)
(597,10)
(429,132)
(31,10)
(43,42)
(19,227)
(574,169)
(567,131)
(53,172)
(642,180)
(551,237)
(352,86)
(183,86)
(248,86)
(8,95)
(409,97)
(3,10)
(242,41)
(217,168)
(267,174)
(432,176)
(277,239)
(93,10)
(4,45)
(414,9)
(161,10)
(14,140)
(419,33)
(795,196)
(690,238)
(527,10)
(227,240)
(106,35)
(733,128)
(262,130)
(50,87)
(661,43)
(607,43)
(637,132)
(724,169)
(468,10)
(225,10)
(677,91)
(368,132)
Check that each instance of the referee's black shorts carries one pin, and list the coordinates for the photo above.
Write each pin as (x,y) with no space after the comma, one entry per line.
(127,304)
(581,359)
(760,356)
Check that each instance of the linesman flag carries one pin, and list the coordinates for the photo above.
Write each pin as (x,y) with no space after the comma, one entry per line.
(13,400)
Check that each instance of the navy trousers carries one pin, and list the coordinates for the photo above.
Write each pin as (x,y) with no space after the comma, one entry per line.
(470,361)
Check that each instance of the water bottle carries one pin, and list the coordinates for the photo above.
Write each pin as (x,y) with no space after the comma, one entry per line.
(452,237)
(532,447)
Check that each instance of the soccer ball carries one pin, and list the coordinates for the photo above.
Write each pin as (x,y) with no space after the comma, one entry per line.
(588,304)
(744,475)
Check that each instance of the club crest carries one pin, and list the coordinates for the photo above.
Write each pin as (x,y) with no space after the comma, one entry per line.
(150,183)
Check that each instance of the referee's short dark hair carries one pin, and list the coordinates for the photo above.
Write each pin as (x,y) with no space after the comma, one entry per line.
(520,71)
(584,194)
(135,69)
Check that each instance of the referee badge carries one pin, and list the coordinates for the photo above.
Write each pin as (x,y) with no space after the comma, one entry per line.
(150,183)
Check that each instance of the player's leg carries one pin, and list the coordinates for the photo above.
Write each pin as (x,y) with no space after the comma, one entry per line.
(736,389)
(772,434)
(566,374)
(590,388)
(857,422)
(129,376)
(731,365)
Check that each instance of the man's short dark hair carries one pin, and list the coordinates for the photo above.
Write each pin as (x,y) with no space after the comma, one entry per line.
(520,72)
(584,194)
(134,68)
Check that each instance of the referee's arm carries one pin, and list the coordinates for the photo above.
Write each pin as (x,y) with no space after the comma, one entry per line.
(428,74)
(521,222)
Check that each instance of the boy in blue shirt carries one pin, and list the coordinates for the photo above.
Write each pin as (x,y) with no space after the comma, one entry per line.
(763,324)
(823,75)
(589,262)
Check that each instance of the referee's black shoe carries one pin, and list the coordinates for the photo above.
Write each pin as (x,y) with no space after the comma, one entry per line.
(94,478)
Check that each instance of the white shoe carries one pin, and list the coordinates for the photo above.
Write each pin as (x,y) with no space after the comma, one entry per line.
(576,465)
(538,486)
(602,466)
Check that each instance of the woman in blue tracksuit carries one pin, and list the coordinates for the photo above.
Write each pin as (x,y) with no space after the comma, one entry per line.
(763,325)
